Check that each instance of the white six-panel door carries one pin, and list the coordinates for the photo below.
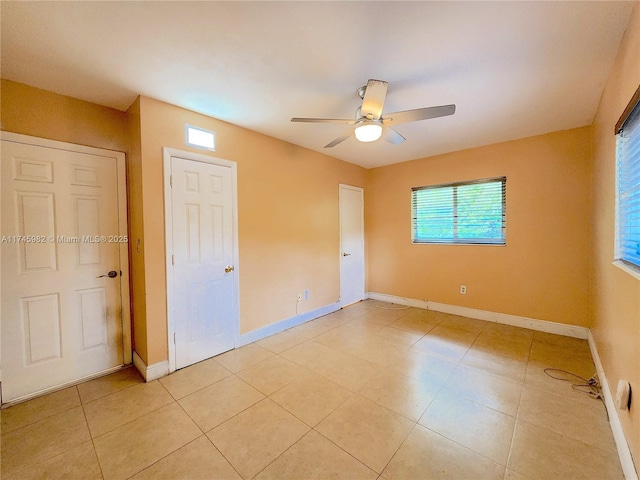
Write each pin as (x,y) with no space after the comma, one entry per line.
(351,201)
(203,310)
(61,320)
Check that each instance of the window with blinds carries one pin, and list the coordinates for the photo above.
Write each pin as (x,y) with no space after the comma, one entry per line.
(470,212)
(628,185)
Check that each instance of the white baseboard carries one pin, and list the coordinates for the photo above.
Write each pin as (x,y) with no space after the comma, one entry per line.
(267,331)
(626,460)
(411,302)
(151,372)
(161,369)
(505,318)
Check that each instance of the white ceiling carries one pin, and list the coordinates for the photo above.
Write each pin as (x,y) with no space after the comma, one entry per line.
(513,69)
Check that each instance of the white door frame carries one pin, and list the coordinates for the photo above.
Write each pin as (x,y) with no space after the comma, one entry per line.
(122,223)
(342,186)
(168,230)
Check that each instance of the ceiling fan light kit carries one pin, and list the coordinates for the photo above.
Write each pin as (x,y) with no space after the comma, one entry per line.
(368,131)
(370,125)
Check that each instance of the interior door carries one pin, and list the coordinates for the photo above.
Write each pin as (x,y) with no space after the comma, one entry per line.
(203,270)
(351,244)
(61,311)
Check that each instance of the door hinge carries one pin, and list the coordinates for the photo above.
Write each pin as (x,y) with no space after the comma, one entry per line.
(174,338)
(171,180)
(173,260)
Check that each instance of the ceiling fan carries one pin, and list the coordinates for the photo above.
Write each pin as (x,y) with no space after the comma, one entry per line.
(369,124)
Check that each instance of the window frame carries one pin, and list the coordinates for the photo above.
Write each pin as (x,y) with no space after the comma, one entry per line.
(188,128)
(632,110)
(464,241)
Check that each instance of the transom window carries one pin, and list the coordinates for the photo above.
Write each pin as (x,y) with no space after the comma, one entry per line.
(200,138)
(471,212)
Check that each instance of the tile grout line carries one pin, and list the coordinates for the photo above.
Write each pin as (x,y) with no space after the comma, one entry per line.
(110,393)
(44,460)
(343,450)
(199,389)
(515,423)
(466,448)
(132,420)
(222,454)
(283,452)
(399,446)
(235,414)
(204,434)
(43,418)
(472,401)
(95,452)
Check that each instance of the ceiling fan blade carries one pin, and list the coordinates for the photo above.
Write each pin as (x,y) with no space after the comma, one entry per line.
(418,114)
(323,120)
(373,100)
(391,136)
(340,139)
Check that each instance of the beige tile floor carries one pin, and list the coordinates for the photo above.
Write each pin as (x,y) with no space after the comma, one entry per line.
(362,393)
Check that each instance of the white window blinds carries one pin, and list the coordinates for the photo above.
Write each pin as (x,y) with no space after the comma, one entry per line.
(461,212)
(628,189)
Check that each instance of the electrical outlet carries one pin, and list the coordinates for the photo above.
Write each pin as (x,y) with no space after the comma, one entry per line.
(299,297)
(463,289)
(306,294)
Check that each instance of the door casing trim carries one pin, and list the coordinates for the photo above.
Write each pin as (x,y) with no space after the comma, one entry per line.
(168,230)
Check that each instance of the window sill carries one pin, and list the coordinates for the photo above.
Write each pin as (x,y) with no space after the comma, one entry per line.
(634,272)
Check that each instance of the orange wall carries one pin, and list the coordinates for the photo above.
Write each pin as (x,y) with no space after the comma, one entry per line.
(287,219)
(542,272)
(39,113)
(616,302)
(287,201)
